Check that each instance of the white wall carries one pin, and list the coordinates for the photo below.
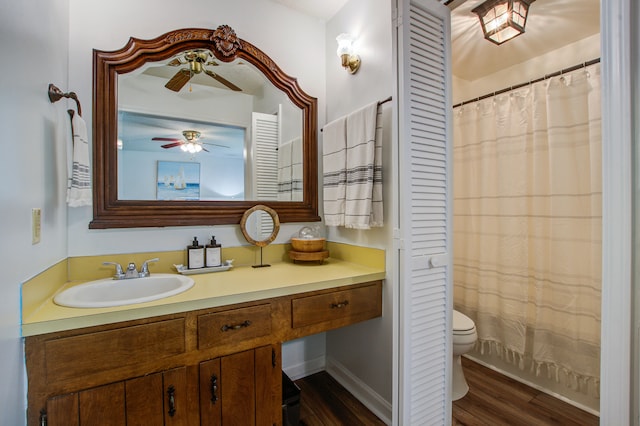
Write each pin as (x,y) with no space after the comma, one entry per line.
(33,39)
(365,350)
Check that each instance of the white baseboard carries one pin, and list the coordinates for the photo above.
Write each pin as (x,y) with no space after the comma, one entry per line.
(304,369)
(372,400)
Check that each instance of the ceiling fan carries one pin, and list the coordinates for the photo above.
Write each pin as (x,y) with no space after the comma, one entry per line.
(196,61)
(190,143)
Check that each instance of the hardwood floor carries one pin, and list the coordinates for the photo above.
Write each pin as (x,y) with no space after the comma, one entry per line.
(493,400)
(324,402)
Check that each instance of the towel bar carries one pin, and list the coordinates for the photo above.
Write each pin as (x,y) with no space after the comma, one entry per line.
(56,94)
(384,101)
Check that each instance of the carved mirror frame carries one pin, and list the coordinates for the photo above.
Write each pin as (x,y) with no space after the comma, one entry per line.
(110,212)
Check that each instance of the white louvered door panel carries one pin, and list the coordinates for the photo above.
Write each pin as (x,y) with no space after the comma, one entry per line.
(265,156)
(425,213)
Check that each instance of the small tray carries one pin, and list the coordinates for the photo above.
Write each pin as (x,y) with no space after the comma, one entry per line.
(186,271)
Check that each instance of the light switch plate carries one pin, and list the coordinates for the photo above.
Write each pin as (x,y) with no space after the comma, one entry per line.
(36,221)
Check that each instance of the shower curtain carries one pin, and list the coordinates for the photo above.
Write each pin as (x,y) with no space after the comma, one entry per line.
(527,225)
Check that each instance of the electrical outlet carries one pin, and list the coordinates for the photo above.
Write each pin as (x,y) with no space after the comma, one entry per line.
(36,221)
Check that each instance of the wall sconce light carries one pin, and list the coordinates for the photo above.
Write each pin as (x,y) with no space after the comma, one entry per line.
(502,20)
(350,61)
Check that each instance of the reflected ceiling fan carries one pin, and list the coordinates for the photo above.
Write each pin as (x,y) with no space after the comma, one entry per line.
(196,61)
(190,143)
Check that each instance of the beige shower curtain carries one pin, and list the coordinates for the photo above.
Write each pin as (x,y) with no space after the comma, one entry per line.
(527,225)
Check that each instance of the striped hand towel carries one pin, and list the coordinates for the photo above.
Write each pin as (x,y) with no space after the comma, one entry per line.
(361,169)
(334,163)
(79,179)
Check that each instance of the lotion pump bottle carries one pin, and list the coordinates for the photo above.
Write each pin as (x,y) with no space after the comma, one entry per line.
(214,253)
(195,255)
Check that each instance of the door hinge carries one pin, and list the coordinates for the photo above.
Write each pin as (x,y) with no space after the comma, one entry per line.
(273,358)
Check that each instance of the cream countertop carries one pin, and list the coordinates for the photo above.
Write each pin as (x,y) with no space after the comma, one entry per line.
(238,285)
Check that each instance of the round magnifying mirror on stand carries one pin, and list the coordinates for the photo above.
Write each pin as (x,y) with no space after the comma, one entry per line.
(260,226)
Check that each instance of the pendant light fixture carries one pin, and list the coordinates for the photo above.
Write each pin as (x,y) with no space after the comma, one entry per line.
(502,20)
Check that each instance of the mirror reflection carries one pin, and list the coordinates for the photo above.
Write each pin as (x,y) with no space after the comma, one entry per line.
(260,225)
(244,134)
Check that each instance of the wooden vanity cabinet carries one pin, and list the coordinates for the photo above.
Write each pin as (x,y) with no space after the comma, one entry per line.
(217,366)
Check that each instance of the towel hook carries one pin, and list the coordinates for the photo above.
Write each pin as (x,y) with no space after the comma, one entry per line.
(56,94)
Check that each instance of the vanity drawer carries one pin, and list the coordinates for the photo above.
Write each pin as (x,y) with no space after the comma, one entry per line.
(344,306)
(234,326)
(93,353)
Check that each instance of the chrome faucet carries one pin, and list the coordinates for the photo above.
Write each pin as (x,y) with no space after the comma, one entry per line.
(132,271)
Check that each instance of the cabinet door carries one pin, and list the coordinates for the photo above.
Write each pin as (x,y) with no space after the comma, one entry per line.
(238,389)
(144,396)
(268,374)
(242,389)
(63,410)
(103,406)
(210,391)
(176,401)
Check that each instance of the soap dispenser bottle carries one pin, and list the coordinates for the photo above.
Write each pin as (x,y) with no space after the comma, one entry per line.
(195,255)
(214,253)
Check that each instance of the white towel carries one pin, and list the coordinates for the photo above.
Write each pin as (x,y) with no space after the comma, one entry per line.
(296,170)
(334,163)
(376,219)
(361,169)
(79,180)
(284,172)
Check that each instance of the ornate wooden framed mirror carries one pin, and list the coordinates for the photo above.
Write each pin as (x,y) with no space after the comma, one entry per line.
(175,93)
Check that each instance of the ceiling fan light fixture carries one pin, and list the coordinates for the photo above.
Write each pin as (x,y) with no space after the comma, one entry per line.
(191,147)
(502,20)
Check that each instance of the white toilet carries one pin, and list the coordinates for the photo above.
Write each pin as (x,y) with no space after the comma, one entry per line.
(464,338)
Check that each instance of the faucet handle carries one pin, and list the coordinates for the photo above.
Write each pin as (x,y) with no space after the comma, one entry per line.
(144,269)
(119,272)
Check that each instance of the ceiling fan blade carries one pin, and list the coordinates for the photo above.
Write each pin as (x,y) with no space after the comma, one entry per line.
(205,149)
(222,80)
(178,81)
(214,144)
(171,145)
(175,63)
(166,139)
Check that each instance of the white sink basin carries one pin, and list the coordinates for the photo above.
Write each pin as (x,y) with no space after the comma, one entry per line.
(109,292)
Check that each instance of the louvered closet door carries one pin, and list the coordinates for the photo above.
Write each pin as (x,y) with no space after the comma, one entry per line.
(425,213)
(265,156)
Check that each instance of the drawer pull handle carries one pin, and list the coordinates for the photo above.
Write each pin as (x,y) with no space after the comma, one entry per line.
(339,304)
(171,397)
(214,388)
(227,327)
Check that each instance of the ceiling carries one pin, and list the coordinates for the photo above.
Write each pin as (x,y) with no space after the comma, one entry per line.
(552,24)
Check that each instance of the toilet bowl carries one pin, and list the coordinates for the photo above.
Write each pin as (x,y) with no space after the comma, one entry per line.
(464,338)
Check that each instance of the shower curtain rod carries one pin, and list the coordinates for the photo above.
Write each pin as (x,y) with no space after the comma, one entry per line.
(517,86)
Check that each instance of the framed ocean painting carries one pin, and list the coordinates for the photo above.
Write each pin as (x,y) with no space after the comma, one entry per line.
(178,180)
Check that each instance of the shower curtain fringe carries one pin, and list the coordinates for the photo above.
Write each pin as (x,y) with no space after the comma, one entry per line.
(582,383)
